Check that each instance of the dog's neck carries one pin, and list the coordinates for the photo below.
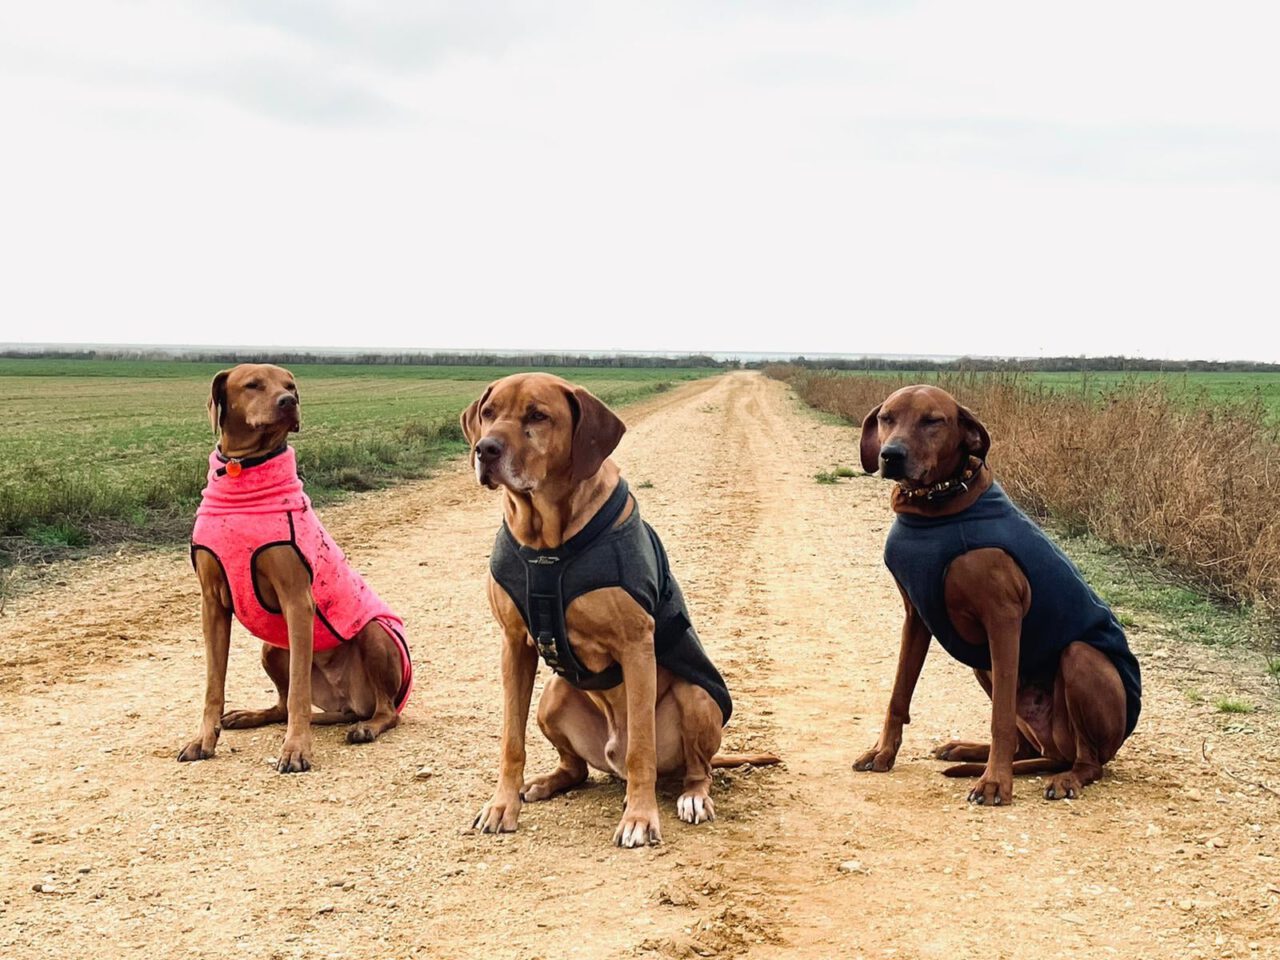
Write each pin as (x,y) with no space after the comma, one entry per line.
(555,511)
(240,442)
(955,494)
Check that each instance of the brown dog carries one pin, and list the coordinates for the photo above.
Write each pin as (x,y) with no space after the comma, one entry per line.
(578,577)
(260,553)
(980,576)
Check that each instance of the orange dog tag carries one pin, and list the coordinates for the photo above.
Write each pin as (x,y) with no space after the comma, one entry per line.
(233,468)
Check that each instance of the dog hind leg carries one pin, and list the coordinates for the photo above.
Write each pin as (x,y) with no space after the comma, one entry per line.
(975,752)
(275,661)
(577,729)
(1089,687)
(379,657)
(700,726)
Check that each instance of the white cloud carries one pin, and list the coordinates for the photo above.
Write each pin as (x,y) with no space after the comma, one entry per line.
(1003,178)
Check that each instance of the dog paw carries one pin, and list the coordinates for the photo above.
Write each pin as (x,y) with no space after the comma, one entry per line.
(499,815)
(195,750)
(1063,786)
(695,808)
(560,779)
(247,719)
(992,791)
(539,789)
(877,760)
(361,733)
(956,750)
(639,828)
(294,758)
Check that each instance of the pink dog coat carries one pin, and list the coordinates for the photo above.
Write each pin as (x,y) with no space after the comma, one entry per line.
(261,504)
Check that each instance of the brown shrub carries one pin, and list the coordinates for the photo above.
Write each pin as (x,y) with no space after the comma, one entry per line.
(1196,488)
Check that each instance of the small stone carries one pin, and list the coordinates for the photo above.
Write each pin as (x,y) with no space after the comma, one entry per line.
(1153,830)
(349,885)
(1185,904)
(851,866)
(84,869)
(1194,794)
(326,908)
(424,773)
(1215,843)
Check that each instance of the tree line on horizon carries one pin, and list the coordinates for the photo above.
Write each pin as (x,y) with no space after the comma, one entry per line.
(1080,364)
(1112,364)
(403,358)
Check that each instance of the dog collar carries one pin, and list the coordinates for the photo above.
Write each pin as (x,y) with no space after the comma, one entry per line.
(945,489)
(235,465)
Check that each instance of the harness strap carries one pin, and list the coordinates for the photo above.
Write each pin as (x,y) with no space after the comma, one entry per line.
(544,577)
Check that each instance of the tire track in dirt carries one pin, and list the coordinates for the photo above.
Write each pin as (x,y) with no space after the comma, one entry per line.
(135,854)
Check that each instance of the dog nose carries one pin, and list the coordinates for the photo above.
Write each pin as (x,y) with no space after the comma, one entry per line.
(490,448)
(893,461)
(287,401)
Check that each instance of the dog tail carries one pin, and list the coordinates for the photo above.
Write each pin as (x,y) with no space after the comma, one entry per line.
(1038,765)
(742,759)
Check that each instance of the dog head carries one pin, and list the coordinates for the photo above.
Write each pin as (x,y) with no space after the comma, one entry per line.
(920,435)
(253,407)
(531,430)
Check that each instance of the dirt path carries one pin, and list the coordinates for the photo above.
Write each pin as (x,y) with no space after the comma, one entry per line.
(111,848)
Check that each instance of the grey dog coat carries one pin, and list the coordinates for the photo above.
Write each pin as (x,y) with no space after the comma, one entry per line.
(542,584)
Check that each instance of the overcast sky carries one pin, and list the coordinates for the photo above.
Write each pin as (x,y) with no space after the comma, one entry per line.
(1006,178)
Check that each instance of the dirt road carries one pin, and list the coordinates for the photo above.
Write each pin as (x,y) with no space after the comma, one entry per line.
(110,848)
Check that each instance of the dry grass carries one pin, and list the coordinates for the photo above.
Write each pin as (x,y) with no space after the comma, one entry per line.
(1197,488)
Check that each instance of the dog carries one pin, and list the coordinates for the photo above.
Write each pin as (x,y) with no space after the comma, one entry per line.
(976,573)
(577,578)
(261,555)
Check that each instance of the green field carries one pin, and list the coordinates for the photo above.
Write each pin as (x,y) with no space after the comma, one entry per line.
(1202,388)
(98,450)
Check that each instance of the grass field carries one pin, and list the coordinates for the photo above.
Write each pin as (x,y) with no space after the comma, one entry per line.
(1184,472)
(104,450)
(1200,388)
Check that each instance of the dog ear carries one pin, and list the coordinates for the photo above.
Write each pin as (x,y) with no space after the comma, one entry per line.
(976,439)
(218,401)
(470,418)
(869,448)
(596,432)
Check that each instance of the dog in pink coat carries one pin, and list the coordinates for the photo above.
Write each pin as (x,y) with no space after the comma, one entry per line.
(263,557)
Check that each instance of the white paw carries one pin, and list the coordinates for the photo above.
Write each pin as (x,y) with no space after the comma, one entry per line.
(694,808)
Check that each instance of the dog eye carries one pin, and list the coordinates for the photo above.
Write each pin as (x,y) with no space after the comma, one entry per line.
(537,416)
(252,385)
(931,421)
(486,413)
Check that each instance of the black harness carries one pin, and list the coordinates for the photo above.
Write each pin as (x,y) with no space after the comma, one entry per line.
(607,553)
(545,597)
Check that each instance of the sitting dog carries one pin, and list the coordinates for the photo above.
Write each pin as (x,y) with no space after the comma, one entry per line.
(579,578)
(976,573)
(260,552)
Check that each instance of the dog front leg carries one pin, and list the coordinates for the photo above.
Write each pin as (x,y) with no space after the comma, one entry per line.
(299,609)
(519,667)
(995,786)
(215,618)
(911,654)
(639,826)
